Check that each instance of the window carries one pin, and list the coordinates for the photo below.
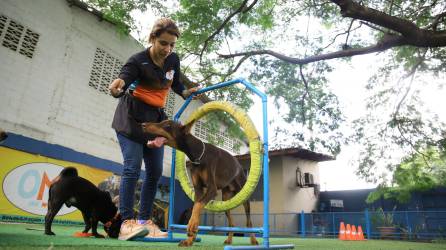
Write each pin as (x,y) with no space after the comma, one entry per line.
(105,69)
(17,37)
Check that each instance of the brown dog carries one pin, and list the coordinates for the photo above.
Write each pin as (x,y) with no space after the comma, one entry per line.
(212,169)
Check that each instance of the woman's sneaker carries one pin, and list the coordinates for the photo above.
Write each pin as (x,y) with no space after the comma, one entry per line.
(154,230)
(131,229)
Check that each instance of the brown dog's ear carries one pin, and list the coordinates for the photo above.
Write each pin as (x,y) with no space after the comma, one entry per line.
(187,128)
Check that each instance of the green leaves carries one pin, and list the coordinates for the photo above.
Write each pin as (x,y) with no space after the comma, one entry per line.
(418,172)
(308,104)
(118,12)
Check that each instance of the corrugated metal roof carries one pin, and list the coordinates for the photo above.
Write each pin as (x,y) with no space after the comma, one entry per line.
(294,152)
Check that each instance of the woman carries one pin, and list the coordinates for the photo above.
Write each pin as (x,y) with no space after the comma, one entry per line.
(143,86)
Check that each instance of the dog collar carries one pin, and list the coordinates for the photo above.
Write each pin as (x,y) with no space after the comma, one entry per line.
(109,223)
(197,161)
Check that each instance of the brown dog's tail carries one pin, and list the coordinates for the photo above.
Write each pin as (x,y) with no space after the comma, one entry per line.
(69,172)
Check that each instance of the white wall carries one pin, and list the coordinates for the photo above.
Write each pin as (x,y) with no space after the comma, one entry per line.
(285,197)
(298,198)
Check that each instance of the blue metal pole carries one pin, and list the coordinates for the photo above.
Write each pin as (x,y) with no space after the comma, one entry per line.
(171,195)
(367,223)
(334,225)
(253,89)
(223,229)
(302,223)
(259,247)
(218,85)
(181,110)
(265,175)
(172,174)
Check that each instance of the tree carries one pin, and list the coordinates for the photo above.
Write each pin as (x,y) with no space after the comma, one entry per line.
(418,172)
(289,47)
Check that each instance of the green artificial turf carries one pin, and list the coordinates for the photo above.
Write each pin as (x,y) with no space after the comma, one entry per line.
(19,236)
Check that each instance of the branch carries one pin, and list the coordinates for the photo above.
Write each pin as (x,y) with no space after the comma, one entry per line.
(436,21)
(409,34)
(230,72)
(401,130)
(241,9)
(340,34)
(374,27)
(411,74)
(348,31)
(307,92)
(387,42)
(410,31)
(245,10)
(354,10)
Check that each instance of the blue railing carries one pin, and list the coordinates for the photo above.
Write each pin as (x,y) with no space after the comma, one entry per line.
(407,225)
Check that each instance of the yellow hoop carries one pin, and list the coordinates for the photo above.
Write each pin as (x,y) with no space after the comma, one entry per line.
(255,147)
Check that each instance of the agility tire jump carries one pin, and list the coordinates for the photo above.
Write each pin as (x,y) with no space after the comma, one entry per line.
(255,147)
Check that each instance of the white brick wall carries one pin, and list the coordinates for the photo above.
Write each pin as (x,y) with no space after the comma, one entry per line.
(48,97)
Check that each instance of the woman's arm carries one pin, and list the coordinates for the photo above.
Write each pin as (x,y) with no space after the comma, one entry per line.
(116,87)
(129,73)
(178,86)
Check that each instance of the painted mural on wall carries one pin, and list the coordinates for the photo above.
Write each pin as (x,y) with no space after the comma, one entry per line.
(25,180)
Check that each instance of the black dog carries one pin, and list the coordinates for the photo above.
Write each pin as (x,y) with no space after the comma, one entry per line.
(95,205)
(3,135)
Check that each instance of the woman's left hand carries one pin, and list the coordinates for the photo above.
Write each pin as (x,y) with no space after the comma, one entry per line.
(188,92)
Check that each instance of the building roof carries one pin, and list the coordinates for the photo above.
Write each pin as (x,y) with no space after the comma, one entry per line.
(301,153)
(92,10)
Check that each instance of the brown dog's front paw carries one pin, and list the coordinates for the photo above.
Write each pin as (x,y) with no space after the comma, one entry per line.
(228,242)
(185,243)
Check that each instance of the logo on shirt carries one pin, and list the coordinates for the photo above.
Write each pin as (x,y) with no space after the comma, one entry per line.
(169,74)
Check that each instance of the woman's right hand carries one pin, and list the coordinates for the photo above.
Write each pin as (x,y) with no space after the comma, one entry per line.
(116,87)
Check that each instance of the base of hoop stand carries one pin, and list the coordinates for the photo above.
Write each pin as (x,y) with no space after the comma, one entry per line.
(259,247)
(166,239)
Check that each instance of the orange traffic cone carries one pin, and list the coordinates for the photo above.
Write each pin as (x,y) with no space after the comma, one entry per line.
(360,234)
(353,233)
(348,232)
(342,231)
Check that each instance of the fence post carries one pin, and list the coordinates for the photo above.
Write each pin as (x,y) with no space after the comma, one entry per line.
(367,223)
(274,223)
(409,228)
(334,225)
(302,223)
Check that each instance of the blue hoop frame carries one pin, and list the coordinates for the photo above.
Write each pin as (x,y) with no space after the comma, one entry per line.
(262,230)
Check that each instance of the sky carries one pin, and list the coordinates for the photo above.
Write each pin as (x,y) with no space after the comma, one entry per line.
(338,174)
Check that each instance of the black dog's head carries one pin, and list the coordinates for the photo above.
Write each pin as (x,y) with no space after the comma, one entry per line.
(171,130)
(113,227)
(108,215)
(3,135)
